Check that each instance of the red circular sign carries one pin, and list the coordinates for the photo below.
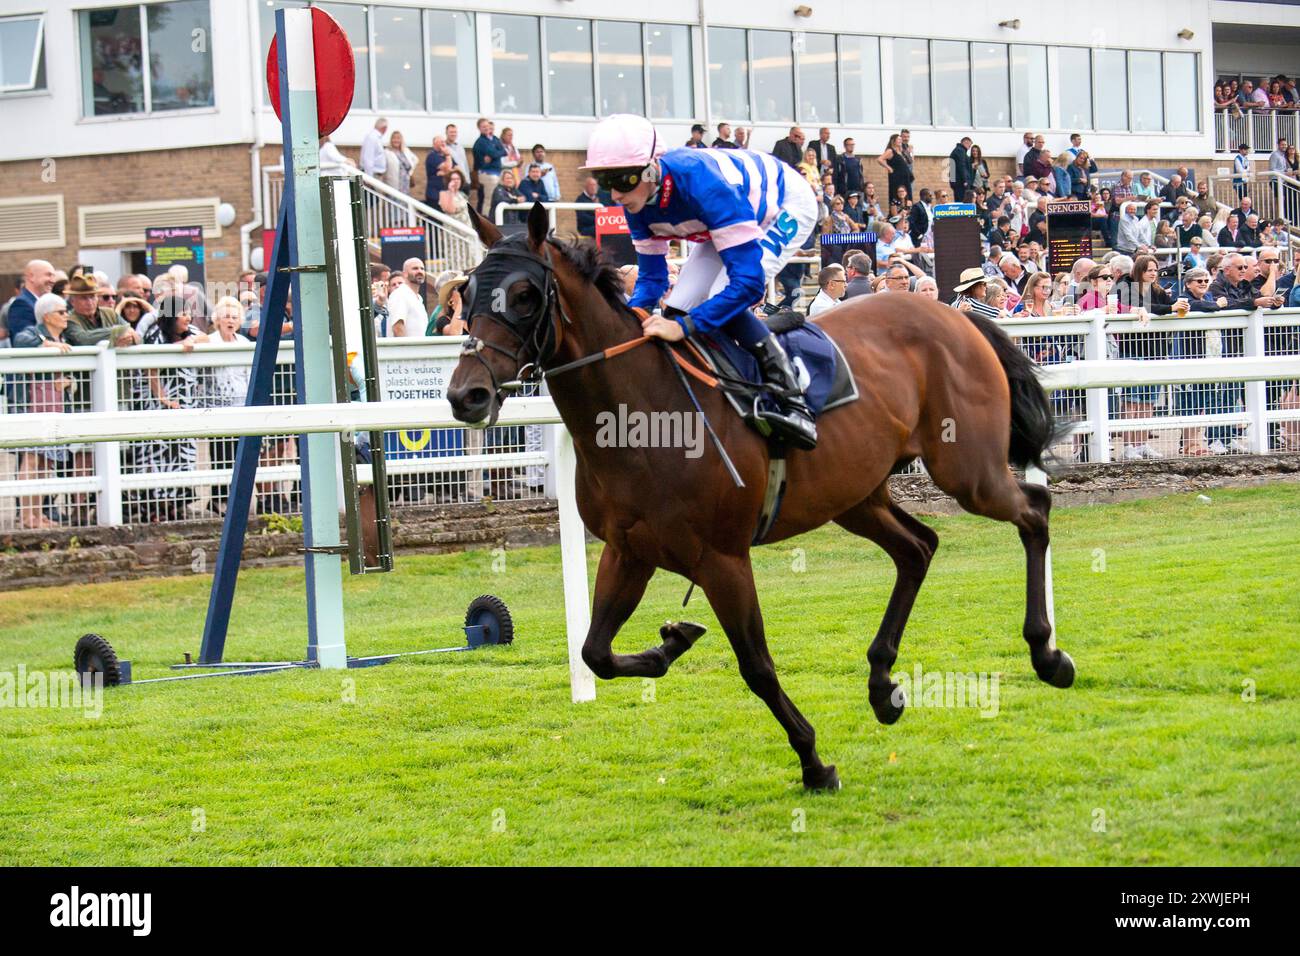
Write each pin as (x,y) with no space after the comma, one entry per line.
(335,71)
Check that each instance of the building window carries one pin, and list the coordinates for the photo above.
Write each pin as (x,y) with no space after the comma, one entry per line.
(1146,104)
(911,82)
(621,67)
(173,39)
(453,62)
(399,58)
(570,91)
(353,21)
(1111,86)
(860,77)
(773,67)
(728,73)
(990,74)
(950,67)
(22,54)
(1074,67)
(516,65)
(819,94)
(1029,87)
(1182,112)
(668,56)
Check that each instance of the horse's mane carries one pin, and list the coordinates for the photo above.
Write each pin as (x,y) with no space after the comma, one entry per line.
(593,265)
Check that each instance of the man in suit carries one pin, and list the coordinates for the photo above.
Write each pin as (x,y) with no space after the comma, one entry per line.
(960,172)
(918,220)
(825,151)
(859,275)
(790,149)
(586,218)
(38,278)
(1175,188)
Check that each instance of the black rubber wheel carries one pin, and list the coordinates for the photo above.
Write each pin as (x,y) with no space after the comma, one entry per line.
(491,612)
(94,655)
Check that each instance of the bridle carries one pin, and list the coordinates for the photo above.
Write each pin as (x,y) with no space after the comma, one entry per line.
(538,333)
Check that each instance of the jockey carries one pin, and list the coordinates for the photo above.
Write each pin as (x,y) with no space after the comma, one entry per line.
(747,213)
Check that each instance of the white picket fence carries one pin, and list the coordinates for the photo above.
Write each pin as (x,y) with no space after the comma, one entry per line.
(1254,373)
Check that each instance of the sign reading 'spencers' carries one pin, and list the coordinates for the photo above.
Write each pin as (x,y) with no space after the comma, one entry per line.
(1069,233)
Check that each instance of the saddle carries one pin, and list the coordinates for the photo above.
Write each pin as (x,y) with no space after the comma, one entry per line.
(824,373)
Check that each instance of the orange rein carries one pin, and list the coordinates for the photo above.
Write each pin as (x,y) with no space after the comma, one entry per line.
(696,373)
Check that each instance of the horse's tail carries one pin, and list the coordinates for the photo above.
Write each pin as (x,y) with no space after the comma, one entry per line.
(1034,428)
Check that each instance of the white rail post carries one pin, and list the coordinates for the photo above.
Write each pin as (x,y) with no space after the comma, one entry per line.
(573,560)
(1256,393)
(108,458)
(1094,349)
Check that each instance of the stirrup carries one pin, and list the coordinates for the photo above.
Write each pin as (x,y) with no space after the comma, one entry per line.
(786,424)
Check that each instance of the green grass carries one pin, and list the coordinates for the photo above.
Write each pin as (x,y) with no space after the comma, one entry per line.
(1195,599)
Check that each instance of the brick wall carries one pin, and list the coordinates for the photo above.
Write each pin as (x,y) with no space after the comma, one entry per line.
(224,171)
(221,171)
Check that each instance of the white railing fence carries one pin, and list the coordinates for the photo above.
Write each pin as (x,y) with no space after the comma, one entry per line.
(163,478)
(1221,383)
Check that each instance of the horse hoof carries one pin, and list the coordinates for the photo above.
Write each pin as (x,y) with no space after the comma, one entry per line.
(686,631)
(821,778)
(891,707)
(1064,675)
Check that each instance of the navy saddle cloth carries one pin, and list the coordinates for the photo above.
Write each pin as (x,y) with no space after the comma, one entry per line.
(823,371)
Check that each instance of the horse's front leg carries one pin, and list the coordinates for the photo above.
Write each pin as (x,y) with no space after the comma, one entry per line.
(620,584)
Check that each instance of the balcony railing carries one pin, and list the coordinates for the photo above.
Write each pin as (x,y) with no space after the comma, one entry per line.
(449,244)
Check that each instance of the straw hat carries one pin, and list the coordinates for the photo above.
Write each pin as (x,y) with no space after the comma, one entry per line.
(445,289)
(970,278)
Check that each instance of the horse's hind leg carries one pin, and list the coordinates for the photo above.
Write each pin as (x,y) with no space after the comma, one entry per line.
(620,584)
(995,493)
(1050,663)
(729,584)
(911,544)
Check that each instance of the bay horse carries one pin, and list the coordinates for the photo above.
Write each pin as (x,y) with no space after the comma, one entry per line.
(949,388)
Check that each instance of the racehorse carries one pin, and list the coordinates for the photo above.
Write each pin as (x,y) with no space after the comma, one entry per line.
(949,388)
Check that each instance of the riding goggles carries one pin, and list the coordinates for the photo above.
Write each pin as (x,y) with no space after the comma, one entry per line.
(620,180)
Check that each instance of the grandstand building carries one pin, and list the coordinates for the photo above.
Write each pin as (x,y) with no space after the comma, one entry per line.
(119,116)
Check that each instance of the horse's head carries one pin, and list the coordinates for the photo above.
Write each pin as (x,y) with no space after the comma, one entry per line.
(511,305)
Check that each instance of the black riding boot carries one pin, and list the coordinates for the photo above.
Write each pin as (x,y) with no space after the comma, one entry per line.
(793,422)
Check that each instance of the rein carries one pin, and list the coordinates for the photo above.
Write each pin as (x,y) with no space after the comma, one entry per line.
(615,350)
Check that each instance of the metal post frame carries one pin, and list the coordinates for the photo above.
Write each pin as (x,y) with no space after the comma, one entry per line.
(313,368)
(347,244)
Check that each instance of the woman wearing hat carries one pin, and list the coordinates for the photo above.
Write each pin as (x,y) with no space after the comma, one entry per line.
(971,288)
(449,320)
(41,392)
(131,310)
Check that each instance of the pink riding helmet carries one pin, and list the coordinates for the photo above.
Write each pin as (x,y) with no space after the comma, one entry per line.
(623,140)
